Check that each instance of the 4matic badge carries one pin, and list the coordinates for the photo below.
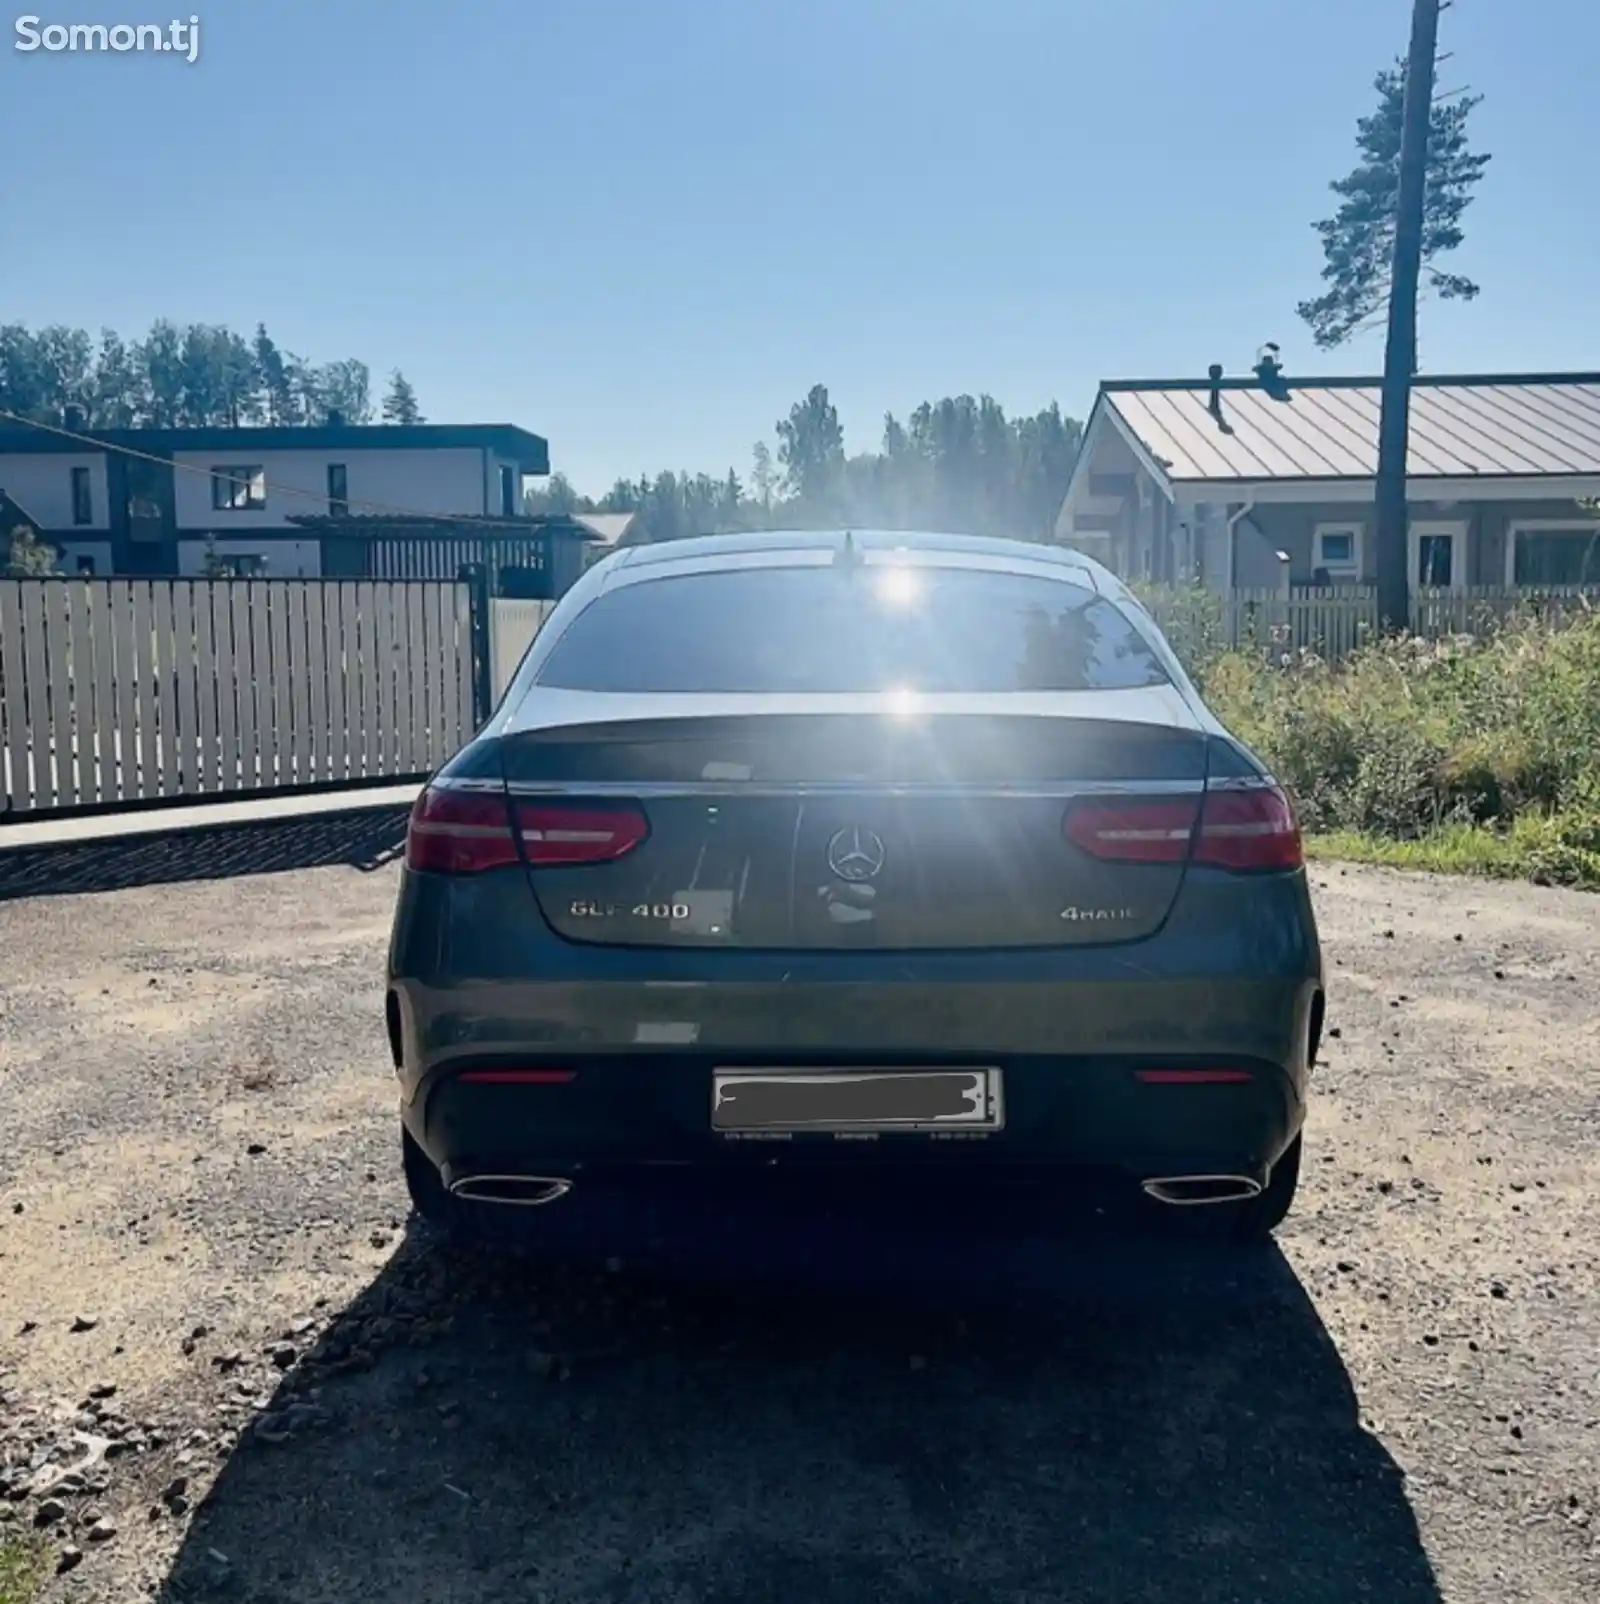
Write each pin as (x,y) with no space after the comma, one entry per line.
(1095,915)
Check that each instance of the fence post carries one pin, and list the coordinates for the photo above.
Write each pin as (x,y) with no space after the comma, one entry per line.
(476,576)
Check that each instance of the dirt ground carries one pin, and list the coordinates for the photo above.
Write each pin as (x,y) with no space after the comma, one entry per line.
(228,1369)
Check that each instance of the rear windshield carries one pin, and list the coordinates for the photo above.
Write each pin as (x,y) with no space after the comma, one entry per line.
(774,630)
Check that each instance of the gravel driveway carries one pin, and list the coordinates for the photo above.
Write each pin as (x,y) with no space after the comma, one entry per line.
(228,1370)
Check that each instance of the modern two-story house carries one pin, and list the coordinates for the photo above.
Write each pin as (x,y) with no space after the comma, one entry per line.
(283,502)
(1267,482)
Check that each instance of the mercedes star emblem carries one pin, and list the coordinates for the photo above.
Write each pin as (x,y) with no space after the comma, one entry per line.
(856,855)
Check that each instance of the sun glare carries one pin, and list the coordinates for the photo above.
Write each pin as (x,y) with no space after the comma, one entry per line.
(899,587)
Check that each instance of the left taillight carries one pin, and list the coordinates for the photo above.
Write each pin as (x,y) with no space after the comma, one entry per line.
(469,832)
(460,832)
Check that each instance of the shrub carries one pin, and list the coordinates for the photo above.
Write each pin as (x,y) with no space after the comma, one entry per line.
(1410,735)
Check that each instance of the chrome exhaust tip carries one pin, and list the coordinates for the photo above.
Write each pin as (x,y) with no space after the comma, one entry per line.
(511,1191)
(1194,1191)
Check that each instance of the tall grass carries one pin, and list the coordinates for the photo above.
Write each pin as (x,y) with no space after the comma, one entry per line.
(1479,753)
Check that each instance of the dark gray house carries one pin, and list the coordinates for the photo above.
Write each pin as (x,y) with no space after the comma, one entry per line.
(379,500)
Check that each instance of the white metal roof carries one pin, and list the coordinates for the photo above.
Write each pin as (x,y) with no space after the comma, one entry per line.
(1321,429)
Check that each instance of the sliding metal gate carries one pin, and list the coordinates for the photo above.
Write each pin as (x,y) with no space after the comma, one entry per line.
(120,693)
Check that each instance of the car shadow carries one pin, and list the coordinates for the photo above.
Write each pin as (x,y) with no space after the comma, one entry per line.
(364,839)
(835,1415)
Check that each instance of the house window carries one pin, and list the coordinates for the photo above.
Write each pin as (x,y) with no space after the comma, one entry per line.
(86,566)
(338,490)
(82,497)
(508,491)
(238,489)
(1554,554)
(1336,551)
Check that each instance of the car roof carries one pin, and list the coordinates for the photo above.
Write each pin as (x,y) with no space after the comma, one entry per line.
(1003,554)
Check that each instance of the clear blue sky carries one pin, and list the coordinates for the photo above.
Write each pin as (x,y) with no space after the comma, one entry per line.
(644,227)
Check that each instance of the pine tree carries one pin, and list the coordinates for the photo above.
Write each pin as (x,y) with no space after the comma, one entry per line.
(1358,240)
(213,565)
(400,404)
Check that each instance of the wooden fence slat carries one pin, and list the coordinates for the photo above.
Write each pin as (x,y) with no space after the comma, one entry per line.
(36,699)
(384,726)
(16,791)
(400,631)
(415,679)
(359,647)
(333,626)
(243,657)
(169,672)
(299,683)
(125,678)
(142,669)
(393,695)
(350,674)
(186,666)
(209,663)
(389,618)
(58,687)
(436,671)
(279,683)
(261,683)
(465,725)
(85,725)
(317,673)
(366,677)
(400,667)
(350,677)
(104,648)
(375,637)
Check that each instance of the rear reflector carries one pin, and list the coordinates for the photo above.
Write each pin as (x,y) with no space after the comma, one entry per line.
(1247,829)
(518,1077)
(1192,1077)
(469,832)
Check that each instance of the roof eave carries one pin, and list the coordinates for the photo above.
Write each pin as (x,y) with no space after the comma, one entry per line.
(1347,381)
(1102,410)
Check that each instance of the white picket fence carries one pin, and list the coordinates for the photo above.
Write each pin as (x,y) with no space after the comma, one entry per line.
(1334,620)
(119,691)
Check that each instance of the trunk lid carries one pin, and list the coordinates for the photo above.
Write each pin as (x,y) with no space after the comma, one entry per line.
(852,822)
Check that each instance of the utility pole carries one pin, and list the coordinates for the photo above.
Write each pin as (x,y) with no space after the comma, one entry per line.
(1400,350)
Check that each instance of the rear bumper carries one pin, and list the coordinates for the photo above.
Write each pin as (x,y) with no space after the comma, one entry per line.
(622,1116)
(477,980)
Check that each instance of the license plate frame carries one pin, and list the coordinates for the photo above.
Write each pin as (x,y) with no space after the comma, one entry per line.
(915,1100)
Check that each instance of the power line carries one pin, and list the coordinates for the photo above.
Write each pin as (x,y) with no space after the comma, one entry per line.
(373,508)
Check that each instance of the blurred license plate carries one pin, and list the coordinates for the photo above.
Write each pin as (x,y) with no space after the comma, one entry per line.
(782,1100)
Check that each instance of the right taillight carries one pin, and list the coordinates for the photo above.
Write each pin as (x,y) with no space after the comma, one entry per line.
(1252,828)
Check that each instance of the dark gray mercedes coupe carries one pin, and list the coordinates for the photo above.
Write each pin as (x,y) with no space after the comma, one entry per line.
(831,855)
